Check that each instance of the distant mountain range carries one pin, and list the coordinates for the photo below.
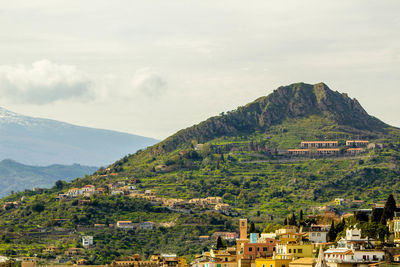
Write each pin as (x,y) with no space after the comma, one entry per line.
(15,176)
(38,141)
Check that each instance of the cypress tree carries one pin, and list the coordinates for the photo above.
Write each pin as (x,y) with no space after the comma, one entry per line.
(332,233)
(252,228)
(301,216)
(389,209)
(220,245)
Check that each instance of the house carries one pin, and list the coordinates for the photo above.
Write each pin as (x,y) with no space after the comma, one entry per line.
(50,250)
(213,200)
(29,261)
(125,225)
(375,145)
(354,151)
(318,144)
(298,250)
(318,233)
(299,152)
(100,191)
(87,241)
(225,235)
(276,261)
(356,143)
(216,258)
(353,250)
(147,225)
(394,227)
(257,250)
(222,207)
(74,192)
(339,201)
(328,151)
(73,251)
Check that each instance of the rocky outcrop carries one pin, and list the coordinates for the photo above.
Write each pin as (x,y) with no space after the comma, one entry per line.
(293,101)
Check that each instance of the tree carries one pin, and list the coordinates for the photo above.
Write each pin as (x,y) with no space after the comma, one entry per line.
(292,219)
(285,221)
(59,185)
(220,244)
(38,207)
(389,209)
(376,215)
(332,233)
(301,216)
(252,228)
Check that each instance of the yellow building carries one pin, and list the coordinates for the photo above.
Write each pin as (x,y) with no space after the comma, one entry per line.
(287,238)
(296,250)
(273,262)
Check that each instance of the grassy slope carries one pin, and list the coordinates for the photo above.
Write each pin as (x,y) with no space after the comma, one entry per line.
(243,179)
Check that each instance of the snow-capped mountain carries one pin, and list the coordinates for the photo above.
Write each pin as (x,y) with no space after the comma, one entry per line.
(37,141)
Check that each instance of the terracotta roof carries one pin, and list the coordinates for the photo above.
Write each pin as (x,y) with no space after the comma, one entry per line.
(327,142)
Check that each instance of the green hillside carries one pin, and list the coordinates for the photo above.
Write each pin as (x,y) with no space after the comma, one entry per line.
(238,156)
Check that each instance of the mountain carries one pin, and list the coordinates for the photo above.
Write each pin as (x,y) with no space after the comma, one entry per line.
(238,156)
(38,141)
(15,176)
(293,101)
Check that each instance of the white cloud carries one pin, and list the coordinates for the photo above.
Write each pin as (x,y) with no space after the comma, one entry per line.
(43,82)
(149,83)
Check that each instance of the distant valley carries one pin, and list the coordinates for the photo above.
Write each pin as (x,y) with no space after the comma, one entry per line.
(15,176)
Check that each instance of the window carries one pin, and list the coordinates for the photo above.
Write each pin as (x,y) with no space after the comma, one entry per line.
(258,249)
(271,265)
(294,250)
(263,265)
(318,234)
(250,249)
(218,265)
(265,249)
(290,250)
(300,250)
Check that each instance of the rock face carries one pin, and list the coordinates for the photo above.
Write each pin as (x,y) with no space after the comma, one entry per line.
(292,101)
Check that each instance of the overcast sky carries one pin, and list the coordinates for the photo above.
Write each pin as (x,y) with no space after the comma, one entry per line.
(153,67)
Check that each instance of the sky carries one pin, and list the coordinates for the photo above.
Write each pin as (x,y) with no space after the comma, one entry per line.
(153,67)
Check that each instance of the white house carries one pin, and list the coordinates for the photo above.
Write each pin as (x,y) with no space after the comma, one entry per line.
(87,241)
(125,225)
(318,233)
(353,249)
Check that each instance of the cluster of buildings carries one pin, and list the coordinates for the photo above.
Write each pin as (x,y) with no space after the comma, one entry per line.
(156,260)
(117,188)
(293,247)
(130,189)
(177,204)
(330,148)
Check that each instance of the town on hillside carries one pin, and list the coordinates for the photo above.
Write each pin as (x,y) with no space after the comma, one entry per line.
(366,237)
